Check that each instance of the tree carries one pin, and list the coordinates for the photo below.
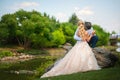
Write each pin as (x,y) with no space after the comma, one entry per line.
(22,15)
(4,33)
(69,30)
(58,37)
(103,36)
(24,33)
(11,24)
(73,19)
(113,32)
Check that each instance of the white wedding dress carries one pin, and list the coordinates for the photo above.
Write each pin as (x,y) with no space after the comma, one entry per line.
(79,59)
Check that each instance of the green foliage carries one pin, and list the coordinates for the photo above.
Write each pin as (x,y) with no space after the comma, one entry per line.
(11,23)
(43,67)
(113,32)
(69,30)
(118,39)
(38,64)
(103,36)
(22,15)
(5,53)
(25,33)
(73,19)
(27,65)
(32,51)
(36,30)
(31,29)
(58,37)
(4,33)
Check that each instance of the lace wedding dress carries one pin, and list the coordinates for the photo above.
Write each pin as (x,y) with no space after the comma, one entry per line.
(79,59)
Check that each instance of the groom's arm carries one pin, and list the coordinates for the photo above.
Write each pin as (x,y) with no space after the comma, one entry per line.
(76,37)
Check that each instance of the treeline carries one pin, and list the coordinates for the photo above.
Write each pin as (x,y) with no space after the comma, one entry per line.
(36,30)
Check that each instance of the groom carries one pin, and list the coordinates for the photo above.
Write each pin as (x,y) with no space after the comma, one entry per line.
(94,38)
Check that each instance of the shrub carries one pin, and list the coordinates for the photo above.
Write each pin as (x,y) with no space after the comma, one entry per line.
(5,53)
(103,36)
(58,38)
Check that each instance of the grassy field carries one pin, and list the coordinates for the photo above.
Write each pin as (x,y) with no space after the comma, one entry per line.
(103,74)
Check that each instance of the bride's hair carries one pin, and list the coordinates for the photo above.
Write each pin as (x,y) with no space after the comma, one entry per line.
(80,22)
(82,32)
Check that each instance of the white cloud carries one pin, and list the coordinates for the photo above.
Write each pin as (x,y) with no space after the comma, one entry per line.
(28,4)
(83,11)
(25,5)
(61,16)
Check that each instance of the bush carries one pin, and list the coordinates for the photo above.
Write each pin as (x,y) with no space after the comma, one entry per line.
(5,53)
(58,38)
(69,30)
(43,66)
(103,36)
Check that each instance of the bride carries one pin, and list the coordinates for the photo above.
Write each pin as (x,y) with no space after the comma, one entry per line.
(79,59)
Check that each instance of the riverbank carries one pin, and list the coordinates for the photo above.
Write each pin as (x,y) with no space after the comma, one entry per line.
(36,65)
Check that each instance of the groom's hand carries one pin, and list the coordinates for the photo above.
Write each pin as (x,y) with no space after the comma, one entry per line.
(93,32)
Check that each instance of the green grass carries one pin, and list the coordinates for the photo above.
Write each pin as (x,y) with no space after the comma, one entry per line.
(32,51)
(8,76)
(33,64)
(26,65)
(103,74)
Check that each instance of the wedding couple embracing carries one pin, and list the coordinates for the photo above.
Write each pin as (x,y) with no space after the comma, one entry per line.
(81,57)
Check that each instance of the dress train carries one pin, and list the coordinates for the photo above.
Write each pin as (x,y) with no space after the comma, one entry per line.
(79,59)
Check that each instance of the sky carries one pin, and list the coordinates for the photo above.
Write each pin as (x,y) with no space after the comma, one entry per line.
(105,13)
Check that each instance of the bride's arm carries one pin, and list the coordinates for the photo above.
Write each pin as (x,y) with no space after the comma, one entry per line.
(76,37)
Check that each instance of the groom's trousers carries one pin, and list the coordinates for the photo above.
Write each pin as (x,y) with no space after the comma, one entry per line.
(93,41)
